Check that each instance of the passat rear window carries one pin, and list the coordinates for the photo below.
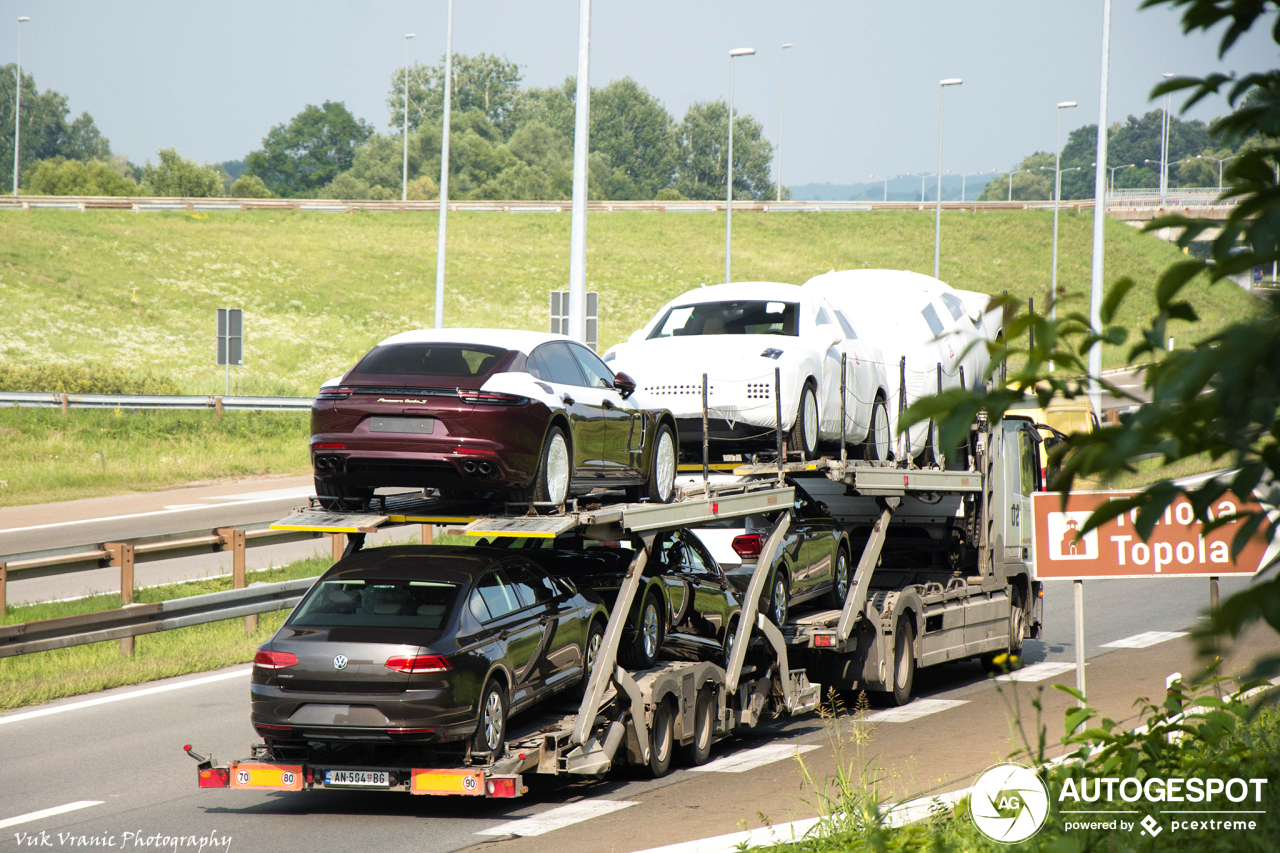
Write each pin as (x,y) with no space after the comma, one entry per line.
(430,360)
(376,604)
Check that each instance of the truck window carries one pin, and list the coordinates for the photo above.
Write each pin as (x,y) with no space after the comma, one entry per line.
(1027,450)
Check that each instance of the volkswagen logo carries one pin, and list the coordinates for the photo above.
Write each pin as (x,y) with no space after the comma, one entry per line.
(340,662)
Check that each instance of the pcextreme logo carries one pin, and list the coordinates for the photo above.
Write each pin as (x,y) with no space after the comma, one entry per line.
(1009,802)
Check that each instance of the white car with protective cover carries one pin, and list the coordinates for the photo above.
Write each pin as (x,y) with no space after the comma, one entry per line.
(739,334)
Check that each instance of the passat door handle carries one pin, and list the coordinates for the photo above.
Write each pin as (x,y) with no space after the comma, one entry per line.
(608,404)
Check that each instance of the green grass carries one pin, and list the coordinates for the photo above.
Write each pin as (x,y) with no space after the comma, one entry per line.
(52,456)
(138,291)
(44,676)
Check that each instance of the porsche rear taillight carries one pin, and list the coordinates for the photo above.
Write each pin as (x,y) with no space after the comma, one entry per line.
(267,659)
(748,545)
(491,398)
(335,393)
(419,663)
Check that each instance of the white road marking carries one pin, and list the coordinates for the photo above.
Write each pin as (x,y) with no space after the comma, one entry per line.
(557,818)
(750,759)
(270,494)
(43,813)
(1143,640)
(134,515)
(120,697)
(1037,672)
(916,709)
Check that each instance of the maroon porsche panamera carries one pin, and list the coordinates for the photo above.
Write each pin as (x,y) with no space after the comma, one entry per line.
(522,415)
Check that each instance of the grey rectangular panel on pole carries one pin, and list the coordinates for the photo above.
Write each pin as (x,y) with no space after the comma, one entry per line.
(230,331)
(1099,217)
(578,224)
(560,316)
(444,169)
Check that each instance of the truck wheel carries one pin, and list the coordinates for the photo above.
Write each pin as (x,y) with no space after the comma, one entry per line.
(904,661)
(492,728)
(839,581)
(661,740)
(555,469)
(643,652)
(1017,620)
(803,438)
(878,444)
(696,752)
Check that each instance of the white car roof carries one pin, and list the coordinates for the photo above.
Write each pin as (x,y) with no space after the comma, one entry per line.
(517,339)
(739,290)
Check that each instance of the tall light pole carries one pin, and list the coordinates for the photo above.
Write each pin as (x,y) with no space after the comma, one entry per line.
(1011,174)
(923,176)
(17,108)
(1219,162)
(887,180)
(1111,186)
(1095,286)
(782,103)
(1164,146)
(964,178)
(1057,197)
(581,142)
(404,183)
(728,205)
(443,216)
(937,209)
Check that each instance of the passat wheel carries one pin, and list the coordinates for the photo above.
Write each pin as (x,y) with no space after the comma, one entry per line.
(778,600)
(803,437)
(662,467)
(492,728)
(643,652)
(877,445)
(839,580)
(551,485)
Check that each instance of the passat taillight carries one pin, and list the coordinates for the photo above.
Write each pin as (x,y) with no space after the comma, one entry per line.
(491,398)
(419,663)
(338,393)
(215,777)
(748,545)
(267,659)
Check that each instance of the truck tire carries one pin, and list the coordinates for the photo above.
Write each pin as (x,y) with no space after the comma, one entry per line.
(696,752)
(642,653)
(1017,620)
(904,661)
(803,438)
(491,729)
(661,740)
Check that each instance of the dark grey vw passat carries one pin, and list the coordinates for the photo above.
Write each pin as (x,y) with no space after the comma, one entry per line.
(420,645)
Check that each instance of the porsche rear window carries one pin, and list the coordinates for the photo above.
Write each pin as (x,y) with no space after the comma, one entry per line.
(430,360)
(376,604)
(744,317)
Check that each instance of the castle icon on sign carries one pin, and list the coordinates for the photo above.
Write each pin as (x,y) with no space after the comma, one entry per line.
(1065,541)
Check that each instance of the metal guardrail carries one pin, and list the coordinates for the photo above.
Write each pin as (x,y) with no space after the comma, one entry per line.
(136,619)
(217,403)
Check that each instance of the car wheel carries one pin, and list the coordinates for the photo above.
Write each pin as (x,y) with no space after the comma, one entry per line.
(662,467)
(492,729)
(933,455)
(661,740)
(778,599)
(555,468)
(643,652)
(904,661)
(696,752)
(803,438)
(878,444)
(336,498)
(730,637)
(839,581)
(591,653)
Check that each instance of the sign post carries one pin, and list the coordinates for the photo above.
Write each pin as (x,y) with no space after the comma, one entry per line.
(1177,547)
(230,329)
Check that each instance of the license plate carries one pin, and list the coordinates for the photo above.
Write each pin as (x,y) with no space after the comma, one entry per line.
(415,426)
(358,778)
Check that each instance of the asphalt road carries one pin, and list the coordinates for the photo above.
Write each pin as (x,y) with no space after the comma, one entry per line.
(120,752)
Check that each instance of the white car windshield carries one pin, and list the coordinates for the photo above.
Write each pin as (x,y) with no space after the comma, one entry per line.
(738,317)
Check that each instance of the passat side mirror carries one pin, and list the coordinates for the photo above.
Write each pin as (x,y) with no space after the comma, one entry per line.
(625,384)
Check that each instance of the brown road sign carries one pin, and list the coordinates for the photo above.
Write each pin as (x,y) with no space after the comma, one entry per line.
(1177,546)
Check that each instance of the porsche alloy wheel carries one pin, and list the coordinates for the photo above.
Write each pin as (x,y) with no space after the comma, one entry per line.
(662,476)
(554,469)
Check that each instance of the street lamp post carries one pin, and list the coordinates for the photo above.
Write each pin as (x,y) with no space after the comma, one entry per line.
(728,205)
(581,147)
(1164,146)
(1113,170)
(886,183)
(1057,198)
(1011,174)
(17,108)
(443,216)
(782,105)
(923,176)
(404,181)
(963,182)
(1219,162)
(937,209)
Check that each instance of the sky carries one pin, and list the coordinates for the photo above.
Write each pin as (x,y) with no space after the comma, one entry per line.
(861,82)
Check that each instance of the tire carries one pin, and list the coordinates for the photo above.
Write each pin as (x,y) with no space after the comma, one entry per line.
(779,596)
(839,580)
(338,498)
(555,469)
(696,752)
(803,438)
(662,467)
(904,661)
(933,455)
(730,636)
(590,653)
(491,729)
(878,445)
(1017,621)
(661,740)
(651,631)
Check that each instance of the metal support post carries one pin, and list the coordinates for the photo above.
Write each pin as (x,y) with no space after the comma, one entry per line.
(234,538)
(337,542)
(1213,611)
(428,534)
(855,602)
(217,405)
(751,602)
(904,441)
(844,372)
(777,400)
(706,441)
(1079,600)
(4,582)
(122,556)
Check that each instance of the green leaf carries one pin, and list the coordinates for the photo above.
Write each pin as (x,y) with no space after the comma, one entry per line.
(1174,279)
(1115,295)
